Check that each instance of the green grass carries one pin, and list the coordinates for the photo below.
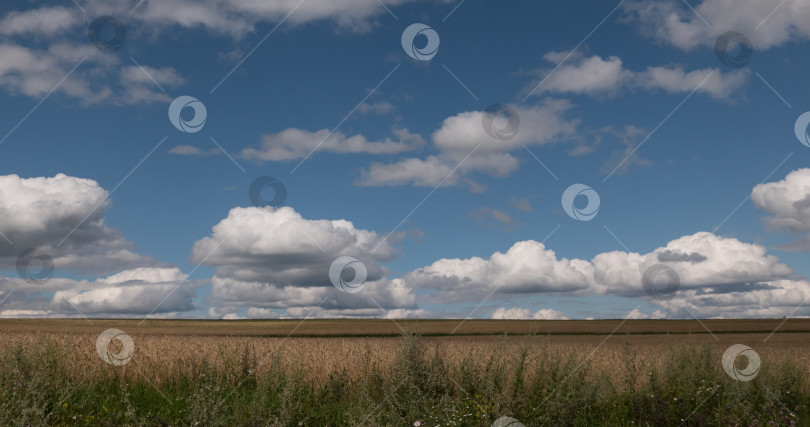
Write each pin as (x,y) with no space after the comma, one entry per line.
(40,385)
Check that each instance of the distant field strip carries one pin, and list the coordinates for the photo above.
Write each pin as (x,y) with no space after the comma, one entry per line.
(320,328)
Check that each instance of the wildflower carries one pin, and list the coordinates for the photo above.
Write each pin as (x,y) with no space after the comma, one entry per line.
(417,423)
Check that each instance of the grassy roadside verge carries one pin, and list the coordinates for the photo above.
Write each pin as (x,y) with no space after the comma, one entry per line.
(41,385)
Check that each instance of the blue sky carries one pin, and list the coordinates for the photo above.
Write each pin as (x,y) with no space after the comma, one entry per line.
(642,93)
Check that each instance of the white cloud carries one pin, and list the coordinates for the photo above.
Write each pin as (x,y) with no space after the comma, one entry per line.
(426,172)
(237,17)
(718,277)
(521,204)
(768,23)
(592,76)
(526,268)
(128,293)
(524,314)
(291,144)
(463,134)
(276,259)
(191,150)
(501,216)
(788,201)
(139,87)
(43,21)
(41,212)
(624,158)
(34,73)
(144,274)
(638,314)
(717,84)
(606,77)
(776,298)
(380,107)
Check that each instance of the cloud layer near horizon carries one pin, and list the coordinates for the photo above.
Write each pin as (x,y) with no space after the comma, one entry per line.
(274,263)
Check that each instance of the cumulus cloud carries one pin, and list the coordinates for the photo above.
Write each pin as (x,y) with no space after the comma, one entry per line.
(63,216)
(788,201)
(274,259)
(525,314)
(718,277)
(528,267)
(464,148)
(291,144)
(597,76)
(638,314)
(768,23)
(678,256)
(132,292)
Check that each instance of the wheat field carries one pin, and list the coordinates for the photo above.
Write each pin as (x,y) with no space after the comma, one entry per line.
(244,373)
